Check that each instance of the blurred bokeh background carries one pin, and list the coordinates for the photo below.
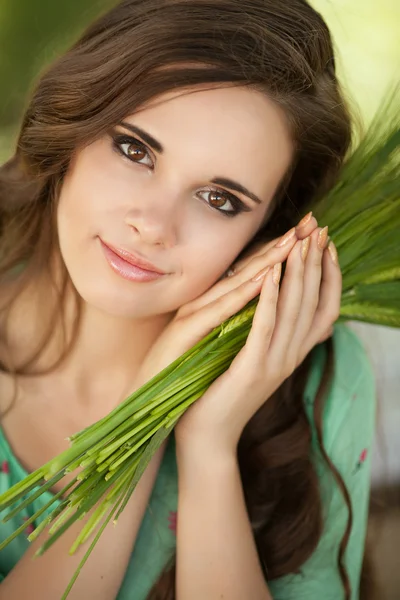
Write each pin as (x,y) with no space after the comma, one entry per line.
(367,38)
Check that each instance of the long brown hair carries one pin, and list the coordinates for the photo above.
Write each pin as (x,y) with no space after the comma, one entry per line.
(281,48)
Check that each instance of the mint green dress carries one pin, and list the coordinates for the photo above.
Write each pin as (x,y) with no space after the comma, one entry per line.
(348,432)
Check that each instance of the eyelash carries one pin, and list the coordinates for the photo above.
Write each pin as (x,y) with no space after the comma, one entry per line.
(119,140)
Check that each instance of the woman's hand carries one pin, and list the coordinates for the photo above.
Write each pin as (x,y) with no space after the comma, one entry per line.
(289,321)
(197,318)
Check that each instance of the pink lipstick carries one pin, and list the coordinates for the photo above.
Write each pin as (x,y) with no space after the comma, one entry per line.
(129,266)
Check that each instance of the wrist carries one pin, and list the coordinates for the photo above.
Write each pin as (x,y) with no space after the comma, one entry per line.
(198,440)
(203,454)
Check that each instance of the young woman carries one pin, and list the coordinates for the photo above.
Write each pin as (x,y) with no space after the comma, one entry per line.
(161,178)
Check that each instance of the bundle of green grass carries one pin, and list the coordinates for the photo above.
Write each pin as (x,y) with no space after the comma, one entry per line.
(363,215)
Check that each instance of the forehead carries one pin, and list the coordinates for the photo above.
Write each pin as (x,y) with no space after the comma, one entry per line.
(229,127)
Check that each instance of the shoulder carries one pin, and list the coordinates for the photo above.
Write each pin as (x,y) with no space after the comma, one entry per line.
(347,432)
(349,410)
(352,362)
(348,429)
(350,401)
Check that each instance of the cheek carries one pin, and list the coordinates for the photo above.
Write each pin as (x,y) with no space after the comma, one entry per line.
(89,202)
(94,187)
(212,252)
(73,225)
(82,194)
(94,196)
(75,200)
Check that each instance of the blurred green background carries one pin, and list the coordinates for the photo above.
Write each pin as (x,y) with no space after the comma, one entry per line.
(33,33)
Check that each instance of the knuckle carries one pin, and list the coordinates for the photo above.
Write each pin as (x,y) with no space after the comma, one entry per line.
(312,307)
(249,375)
(181,320)
(335,316)
(316,260)
(270,302)
(182,312)
(292,318)
(230,302)
(333,313)
(290,365)
(221,301)
(290,370)
(295,268)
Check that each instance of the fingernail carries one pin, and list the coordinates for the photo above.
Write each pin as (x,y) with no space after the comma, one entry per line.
(286,238)
(322,237)
(305,246)
(230,272)
(333,253)
(261,274)
(304,221)
(276,275)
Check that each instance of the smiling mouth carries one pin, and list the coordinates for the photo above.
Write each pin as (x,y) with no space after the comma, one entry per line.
(129,266)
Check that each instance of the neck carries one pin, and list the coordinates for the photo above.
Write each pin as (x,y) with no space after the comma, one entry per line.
(106,351)
(109,350)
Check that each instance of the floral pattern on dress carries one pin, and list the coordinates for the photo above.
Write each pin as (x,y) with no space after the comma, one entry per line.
(30,528)
(172,519)
(361,460)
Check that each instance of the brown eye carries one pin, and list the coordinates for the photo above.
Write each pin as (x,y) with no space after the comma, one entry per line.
(223,202)
(136,152)
(133,150)
(217,200)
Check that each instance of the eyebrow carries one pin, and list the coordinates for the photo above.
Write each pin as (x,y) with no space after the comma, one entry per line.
(155,145)
(237,187)
(146,137)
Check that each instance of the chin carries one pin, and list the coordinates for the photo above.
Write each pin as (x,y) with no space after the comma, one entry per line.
(125,306)
(123,299)
(110,298)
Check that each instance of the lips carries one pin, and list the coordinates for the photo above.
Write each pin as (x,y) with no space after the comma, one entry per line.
(133,259)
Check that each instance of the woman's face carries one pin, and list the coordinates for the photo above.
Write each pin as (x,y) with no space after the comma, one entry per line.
(183,184)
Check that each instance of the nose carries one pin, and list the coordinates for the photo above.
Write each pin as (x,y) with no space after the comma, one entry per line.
(154,225)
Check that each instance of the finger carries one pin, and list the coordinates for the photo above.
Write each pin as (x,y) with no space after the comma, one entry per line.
(326,335)
(256,251)
(288,310)
(259,338)
(328,309)
(311,293)
(301,233)
(203,321)
(255,266)
(306,230)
